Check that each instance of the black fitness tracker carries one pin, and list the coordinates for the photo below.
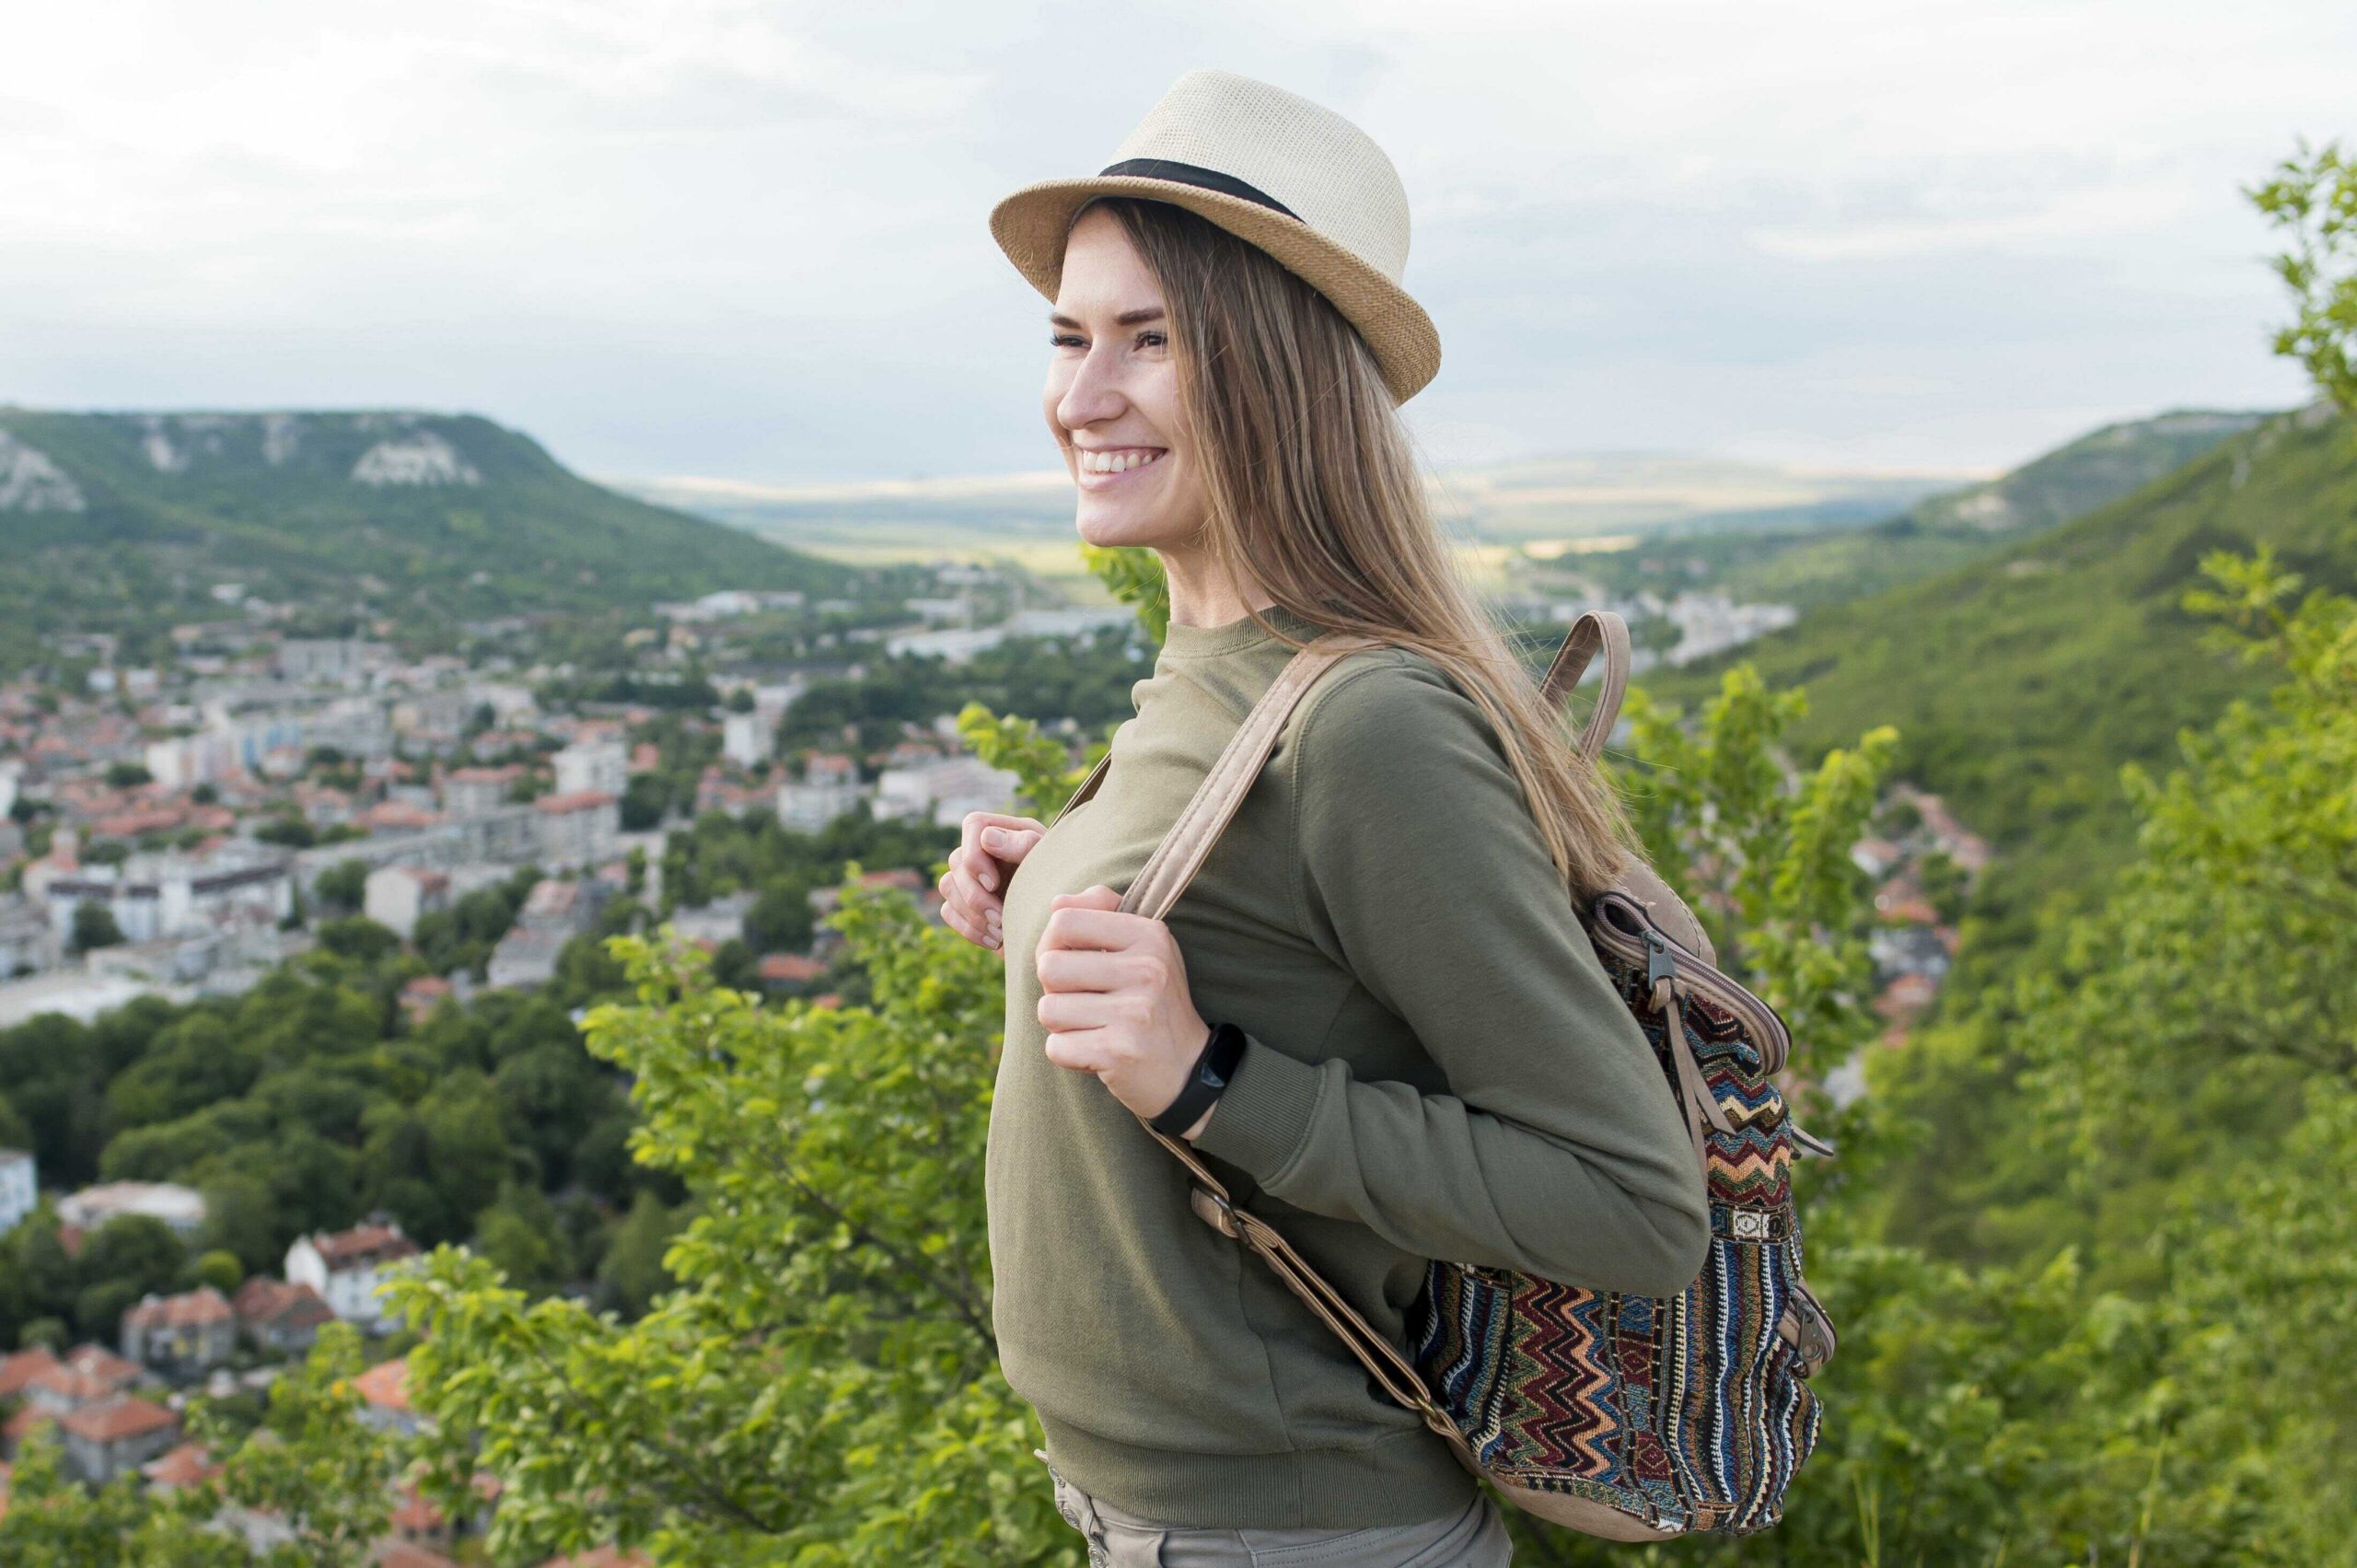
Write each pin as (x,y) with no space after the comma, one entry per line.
(1205,1082)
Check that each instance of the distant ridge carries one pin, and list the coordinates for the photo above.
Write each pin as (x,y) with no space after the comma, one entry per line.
(2021,681)
(118,520)
(2079,475)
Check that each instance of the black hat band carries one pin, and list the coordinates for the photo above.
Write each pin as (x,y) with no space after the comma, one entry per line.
(1196,175)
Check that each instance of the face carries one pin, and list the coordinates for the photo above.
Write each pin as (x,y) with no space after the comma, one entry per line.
(1112,397)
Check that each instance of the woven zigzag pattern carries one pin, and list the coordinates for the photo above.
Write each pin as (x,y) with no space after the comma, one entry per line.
(1691,1410)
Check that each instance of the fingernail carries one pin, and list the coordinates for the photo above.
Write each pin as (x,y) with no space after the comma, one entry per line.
(993,839)
(989,880)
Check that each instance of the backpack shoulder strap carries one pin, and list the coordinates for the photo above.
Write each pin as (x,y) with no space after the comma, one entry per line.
(1180,853)
(1599,631)
(1152,893)
(1087,787)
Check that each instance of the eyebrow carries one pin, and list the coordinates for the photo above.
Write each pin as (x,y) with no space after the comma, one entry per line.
(1126,319)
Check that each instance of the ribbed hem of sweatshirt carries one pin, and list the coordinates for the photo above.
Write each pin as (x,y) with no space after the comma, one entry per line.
(1264,1112)
(1403,1480)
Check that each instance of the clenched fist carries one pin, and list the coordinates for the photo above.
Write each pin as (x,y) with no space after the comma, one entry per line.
(1113,997)
(973,890)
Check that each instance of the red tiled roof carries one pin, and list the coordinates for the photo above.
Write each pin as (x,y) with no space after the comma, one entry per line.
(126,1415)
(414,1514)
(363,1244)
(191,1309)
(386,1385)
(579,800)
(275,1303)
(75,1388)
(408,1554)
(97,1361)
(183,1465)
(791,967)
(19,1369)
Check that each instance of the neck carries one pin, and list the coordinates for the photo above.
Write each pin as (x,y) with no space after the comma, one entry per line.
(1202,596)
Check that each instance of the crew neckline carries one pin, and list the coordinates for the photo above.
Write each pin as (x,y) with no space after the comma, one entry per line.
(1181,641)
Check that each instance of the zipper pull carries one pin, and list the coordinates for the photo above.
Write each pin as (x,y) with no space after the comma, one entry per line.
(1661,964)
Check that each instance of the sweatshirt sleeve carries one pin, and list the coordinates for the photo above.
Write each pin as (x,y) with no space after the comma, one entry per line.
(1558,1148)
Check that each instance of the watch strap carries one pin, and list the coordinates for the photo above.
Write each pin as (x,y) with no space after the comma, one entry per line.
(1206,1081)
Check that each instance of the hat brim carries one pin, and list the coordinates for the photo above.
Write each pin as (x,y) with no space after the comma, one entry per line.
(1031,226)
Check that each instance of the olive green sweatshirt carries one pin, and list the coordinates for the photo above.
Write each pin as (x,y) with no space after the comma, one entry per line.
(1439,1067)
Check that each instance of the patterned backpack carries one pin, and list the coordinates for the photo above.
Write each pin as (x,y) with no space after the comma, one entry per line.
(1628,1417)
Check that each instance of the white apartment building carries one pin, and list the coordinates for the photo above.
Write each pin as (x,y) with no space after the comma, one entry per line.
(577,829)
(20,1188)
(347,1268)
(943,791)
(396,896)
(156,896)
(807,807)
(181,1208)
(748,738)
(600,767)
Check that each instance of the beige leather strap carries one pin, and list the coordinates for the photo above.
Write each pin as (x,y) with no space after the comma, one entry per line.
(1597,630)
(1180,853)
(1087,787)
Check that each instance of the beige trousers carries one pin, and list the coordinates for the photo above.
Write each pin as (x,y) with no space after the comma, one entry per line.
(1475,1538)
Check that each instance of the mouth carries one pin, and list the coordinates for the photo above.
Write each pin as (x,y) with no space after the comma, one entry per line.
(1103,471)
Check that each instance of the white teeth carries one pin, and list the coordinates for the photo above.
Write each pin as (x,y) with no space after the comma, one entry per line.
(1104,462)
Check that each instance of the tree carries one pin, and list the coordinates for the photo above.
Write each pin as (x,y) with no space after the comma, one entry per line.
(51,1521)
(94,926)
(316,1462)
(633,1274)
(519,1235)
(344,887)
(833,1299)
(2313,198)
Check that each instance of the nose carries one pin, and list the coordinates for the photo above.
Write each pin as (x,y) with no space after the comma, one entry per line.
(1092,395)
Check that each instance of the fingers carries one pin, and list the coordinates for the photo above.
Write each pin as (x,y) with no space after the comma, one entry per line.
(1091,969)
(1011,844)
(985,837)
(1079,1049)
(980,933)
(980,912)
(1092,919)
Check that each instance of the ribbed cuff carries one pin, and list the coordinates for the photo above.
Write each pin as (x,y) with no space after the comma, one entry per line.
(1264,1113)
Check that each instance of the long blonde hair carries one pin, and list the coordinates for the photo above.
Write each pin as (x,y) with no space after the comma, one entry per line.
(1314,494)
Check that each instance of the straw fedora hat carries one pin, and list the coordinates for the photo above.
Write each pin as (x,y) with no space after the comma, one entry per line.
(1274,170)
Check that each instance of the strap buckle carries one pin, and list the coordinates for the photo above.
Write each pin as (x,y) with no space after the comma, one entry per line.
(1213,1210)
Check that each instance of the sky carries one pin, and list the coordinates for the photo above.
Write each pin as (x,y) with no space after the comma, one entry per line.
(746,240)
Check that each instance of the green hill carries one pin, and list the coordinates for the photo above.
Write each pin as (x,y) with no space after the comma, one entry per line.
(2021,681)
(120,522)
(1947,530)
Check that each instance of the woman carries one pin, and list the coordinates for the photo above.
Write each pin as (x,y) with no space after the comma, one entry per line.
(1434,1063)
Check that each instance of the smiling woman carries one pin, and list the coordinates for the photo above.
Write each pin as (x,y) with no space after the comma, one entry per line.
(1397,1073)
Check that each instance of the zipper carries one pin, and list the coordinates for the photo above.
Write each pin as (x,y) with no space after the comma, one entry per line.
(1664,959)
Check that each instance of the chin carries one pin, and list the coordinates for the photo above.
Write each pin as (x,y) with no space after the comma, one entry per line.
(1114,530)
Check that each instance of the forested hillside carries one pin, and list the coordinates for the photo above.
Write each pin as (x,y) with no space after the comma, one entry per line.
(125,522)
(1944,531)
(2021,681)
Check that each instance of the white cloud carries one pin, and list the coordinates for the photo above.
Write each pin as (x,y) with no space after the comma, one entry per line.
(736,237)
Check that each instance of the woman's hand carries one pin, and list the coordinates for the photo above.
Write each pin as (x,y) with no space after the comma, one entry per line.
(973,890)
(1113,995)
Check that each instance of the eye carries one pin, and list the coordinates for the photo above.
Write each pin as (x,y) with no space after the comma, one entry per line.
(1161,339)
(1058,340)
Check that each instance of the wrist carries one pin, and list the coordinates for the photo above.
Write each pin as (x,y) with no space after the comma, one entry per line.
(1206,1080)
